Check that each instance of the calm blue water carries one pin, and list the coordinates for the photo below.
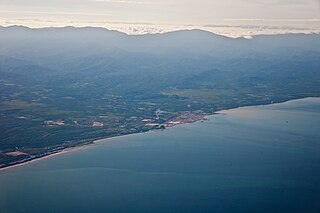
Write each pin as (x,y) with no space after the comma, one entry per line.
(254,159)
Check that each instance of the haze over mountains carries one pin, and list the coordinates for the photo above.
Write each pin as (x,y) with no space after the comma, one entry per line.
(80,74)
(91,50)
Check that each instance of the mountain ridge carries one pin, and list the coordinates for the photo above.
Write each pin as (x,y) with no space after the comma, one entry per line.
(56,82)
(141,35)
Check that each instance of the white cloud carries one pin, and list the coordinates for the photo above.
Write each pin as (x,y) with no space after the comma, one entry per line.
(304,13)
(129,2)
(227,29)
(275,20)
(283,2)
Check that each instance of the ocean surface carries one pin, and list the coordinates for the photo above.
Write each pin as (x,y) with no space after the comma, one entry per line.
(251,159)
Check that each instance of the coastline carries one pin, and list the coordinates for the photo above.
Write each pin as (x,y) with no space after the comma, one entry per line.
(69,149)
(85,145)
(63,151)
(95,141)
(41,158)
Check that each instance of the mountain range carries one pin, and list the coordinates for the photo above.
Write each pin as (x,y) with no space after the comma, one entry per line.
(78,76)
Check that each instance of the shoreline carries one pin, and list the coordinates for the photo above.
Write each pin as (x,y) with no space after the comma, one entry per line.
(83,146)
(95,141)
(69,149)
(63,151)
(39,158)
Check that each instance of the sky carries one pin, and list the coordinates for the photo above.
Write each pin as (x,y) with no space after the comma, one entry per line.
(229,17)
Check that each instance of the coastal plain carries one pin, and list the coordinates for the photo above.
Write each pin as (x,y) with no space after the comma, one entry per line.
(59,92)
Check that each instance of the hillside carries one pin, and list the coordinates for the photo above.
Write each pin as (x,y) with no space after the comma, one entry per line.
(62,87)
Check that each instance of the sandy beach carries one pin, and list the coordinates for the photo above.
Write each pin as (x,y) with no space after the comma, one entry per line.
(46,156)
(66,151)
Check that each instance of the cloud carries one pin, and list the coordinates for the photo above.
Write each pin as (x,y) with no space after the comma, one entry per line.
(127,2)
(55,13)
(136,28)
(282,2)
(273,20)
(256,27)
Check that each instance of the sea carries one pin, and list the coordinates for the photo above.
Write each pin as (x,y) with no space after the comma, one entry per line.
(249,159)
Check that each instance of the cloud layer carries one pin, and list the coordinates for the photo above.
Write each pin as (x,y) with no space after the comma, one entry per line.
(245,17)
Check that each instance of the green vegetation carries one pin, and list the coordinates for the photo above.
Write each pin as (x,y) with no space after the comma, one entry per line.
(58,93)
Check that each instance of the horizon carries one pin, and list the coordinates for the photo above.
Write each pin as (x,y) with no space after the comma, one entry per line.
(164,32)
(231,18)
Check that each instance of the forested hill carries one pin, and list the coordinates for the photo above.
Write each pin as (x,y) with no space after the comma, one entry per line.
(62,87)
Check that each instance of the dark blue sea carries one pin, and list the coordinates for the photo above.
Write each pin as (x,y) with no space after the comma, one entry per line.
(251,159)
